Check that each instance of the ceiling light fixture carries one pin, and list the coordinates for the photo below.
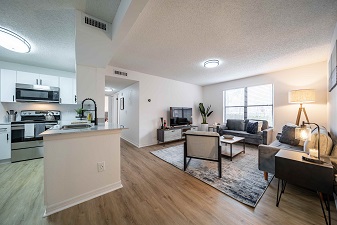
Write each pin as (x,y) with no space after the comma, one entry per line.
(211,63)
(107,89)
(13,41)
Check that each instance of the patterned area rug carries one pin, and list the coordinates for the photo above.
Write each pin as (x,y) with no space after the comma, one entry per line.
(241,178)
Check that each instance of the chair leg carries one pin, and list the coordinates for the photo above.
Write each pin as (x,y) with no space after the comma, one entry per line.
(185,153)
(219,163)
(265,175)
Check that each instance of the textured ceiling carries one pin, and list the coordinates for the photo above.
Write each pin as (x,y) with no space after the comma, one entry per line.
(172,38)
(49,26)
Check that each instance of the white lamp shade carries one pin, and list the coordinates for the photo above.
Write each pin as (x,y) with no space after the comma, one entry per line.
(302,96)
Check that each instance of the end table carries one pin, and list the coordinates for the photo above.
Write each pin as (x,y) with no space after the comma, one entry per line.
(289,167)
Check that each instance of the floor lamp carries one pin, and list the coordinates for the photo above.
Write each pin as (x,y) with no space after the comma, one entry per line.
(302,96)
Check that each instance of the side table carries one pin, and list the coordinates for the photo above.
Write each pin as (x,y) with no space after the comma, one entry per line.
(289,167)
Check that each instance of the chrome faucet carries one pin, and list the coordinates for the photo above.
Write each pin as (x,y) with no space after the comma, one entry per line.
(95,121)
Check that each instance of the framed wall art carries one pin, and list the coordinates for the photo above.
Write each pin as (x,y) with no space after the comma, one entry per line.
(122,103)
(332,69)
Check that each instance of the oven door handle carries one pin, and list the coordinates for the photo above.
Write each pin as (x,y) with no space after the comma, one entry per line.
(18,127)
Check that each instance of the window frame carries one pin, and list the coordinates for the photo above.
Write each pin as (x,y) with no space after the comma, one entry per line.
(246,106)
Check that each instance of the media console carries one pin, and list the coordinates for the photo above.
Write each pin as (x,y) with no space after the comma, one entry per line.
(174,133)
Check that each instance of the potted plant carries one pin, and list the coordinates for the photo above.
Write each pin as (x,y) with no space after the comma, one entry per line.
(204,114)
(79,112)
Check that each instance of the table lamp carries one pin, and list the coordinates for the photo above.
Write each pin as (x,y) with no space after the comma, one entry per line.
(302,96)
(304,133)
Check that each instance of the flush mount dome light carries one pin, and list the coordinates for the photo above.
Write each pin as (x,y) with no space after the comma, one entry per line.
(13,41)
(107,89)
(211,63)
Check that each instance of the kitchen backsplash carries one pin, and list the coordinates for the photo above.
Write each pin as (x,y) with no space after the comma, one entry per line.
(67,111)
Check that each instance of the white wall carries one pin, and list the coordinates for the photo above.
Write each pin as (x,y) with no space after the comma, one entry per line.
(68,112)
(332,96)
(310,76)
(90,82)
(163,94)
(130,115)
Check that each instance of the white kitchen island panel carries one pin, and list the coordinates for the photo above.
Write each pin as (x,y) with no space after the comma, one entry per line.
(70,167)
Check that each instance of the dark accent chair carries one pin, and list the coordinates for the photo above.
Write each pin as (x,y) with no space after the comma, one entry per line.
(202,145)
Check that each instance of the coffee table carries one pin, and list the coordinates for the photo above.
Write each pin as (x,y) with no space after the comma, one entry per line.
(232,153)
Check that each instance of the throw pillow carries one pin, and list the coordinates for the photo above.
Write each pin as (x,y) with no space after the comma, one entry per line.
(334,151)
(325,145)
(259,127)
(235,124)
(288,135)
(252,127)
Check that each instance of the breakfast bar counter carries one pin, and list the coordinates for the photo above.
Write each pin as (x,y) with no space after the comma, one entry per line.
(79,164)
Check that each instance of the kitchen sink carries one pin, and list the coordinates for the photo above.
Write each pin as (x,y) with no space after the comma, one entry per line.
(75,126)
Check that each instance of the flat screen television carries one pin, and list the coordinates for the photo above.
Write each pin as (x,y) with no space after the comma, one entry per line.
(180,116)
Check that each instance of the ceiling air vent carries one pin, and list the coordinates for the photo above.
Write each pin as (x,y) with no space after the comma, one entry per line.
(121,73)
(95,23)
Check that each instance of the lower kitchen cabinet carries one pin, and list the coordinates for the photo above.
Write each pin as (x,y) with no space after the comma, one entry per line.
(5,142)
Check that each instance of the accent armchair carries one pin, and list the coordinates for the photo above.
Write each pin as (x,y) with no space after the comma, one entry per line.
(202,145)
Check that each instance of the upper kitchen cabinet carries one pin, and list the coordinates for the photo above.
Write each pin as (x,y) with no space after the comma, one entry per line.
(68,90)
(7,80)
(37,79)
(48,80)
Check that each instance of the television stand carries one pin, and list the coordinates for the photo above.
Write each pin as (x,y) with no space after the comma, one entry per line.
(174,133)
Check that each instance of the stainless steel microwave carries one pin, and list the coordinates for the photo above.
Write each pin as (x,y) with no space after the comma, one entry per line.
(37,93)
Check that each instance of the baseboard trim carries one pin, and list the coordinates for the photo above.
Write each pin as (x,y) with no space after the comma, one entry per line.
(131,142)
(81,198)
(5,161)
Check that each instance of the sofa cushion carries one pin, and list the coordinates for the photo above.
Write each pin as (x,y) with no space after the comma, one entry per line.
(233,124)
(252,127)
(280,145)
(325,145)
(288,135)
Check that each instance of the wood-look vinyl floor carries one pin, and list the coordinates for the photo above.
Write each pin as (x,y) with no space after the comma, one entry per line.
(154,192)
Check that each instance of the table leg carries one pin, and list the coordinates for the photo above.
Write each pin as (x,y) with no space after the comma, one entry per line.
(244,146)
(327,206)
(231,147)
(279,195)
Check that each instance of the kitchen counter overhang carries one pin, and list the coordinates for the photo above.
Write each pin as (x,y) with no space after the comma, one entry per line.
(58,129)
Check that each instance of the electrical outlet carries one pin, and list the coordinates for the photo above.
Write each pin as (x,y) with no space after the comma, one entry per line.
(100,166)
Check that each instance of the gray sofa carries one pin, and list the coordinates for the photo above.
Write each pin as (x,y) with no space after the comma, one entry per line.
(266,153)
(239,128)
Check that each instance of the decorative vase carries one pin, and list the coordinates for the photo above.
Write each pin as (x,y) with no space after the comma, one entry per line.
(204,127)
(162,125)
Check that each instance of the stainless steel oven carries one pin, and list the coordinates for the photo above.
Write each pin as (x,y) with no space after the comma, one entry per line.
(27,143)
(37,93)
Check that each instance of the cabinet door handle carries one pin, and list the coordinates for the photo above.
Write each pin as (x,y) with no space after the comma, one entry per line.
(7,137)
(40,82)
(37,81)
(13,98)
(60,100)
(75,99)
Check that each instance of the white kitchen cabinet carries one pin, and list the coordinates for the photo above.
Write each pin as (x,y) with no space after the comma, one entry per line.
(8,80)
(27,78)
(67,90)
(48,80)
(5,142)
(37,79)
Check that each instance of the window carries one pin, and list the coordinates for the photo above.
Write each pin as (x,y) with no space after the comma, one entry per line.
(254,102)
